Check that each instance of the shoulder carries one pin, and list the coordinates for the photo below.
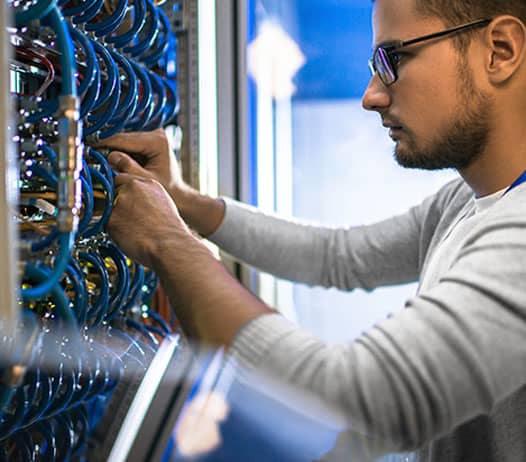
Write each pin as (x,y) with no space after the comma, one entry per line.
(455,193)
(446,203)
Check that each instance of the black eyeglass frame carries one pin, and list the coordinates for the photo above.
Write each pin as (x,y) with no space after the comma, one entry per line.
(383,57)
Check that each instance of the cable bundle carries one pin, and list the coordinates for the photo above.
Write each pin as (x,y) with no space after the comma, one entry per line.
(129,84)
(83,71)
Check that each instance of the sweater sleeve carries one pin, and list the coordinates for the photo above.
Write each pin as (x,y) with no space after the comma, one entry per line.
(453,354)
(389,252)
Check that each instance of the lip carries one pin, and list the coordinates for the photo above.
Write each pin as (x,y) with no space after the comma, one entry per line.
(394,131)
(392,126)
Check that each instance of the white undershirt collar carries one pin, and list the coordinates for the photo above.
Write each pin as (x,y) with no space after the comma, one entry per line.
(482,204)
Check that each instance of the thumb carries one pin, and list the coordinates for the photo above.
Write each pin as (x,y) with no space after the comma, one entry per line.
(125,164)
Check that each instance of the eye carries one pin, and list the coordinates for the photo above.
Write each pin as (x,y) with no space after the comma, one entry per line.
(398,56)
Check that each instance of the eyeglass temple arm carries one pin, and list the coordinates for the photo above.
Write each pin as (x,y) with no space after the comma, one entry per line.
(480,22)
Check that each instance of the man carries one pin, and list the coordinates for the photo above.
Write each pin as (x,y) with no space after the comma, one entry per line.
(447,374)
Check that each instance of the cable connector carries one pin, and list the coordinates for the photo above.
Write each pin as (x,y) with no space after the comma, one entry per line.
(69,200)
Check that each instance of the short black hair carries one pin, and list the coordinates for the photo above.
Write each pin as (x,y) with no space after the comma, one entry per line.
(456,12)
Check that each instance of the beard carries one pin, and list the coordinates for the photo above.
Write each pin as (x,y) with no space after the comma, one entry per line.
(463,140)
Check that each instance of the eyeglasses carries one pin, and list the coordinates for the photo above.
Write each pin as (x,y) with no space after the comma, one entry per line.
(385,60)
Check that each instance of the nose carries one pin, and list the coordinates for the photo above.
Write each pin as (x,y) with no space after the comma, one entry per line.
(376,96)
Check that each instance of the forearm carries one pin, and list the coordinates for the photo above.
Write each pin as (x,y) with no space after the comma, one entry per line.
(210,304)
(202,213)
(346,258)
(423,371)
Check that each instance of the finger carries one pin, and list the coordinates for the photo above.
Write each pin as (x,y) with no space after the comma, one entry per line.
(144,144)
(122,179)
(123,163)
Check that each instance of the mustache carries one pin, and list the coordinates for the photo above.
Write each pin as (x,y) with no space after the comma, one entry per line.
(389,122)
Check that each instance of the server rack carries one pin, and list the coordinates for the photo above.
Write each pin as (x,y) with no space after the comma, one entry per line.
(87,386)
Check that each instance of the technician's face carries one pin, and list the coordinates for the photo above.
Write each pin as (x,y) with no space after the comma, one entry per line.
(436,115)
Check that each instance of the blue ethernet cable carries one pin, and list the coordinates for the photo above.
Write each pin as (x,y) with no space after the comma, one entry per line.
(121,291)
(110,24)
(90,73)
(85,381)
(99,226)
(151,58)
(55,20)
(78,9)
(31,390)
(88,88)
(65,46)
(100,380)
(135,288)
(51,156)
(89,13)
(11,421)
(115,367)
(62,399)
(145,89)
(172,105)
(91,96)
(94,122)
(80,301)
(37,11)
(168,63)
(38,170)
(151,281)
(139,20)
(150,31)
(131,80)
(98,310)
(141,328)
(147,105)
(159,320)
(50,283)
(44,396)
(79,419)
(87,202)
(159,92)
(47,448)
(104,165)
(44,278)
(128,105)
(112,76)
(155,56)
(130,342)
(155,330)
(65,441)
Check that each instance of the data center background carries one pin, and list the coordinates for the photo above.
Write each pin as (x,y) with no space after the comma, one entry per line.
(87,323)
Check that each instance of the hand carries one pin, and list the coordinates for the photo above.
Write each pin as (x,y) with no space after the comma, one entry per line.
(149,156)
(144,218)
(210,304)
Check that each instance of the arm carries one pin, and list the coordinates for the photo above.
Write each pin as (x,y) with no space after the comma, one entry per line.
(210,304)
(148,155)
(453,354)
(390,252)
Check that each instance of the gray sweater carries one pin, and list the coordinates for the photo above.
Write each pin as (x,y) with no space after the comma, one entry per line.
(447,375)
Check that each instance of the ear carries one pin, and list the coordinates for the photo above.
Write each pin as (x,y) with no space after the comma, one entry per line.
(506,40)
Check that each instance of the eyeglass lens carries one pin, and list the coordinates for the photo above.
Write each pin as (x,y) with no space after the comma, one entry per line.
(384,66)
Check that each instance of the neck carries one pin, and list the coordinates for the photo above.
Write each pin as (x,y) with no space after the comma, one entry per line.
(496,169)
